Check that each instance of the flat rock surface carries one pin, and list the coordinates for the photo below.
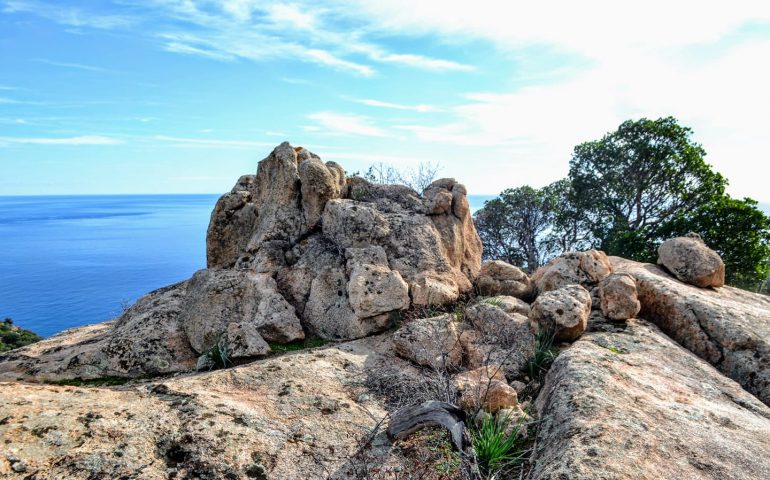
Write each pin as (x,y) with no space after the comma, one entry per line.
(298,415)
(626,402)
(728,327)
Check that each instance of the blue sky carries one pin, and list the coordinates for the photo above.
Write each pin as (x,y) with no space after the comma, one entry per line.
(183,96)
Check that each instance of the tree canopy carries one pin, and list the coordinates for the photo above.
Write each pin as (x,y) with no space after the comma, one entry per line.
(626,193)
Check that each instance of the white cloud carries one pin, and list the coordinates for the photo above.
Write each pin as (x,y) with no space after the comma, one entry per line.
(422,108)
(72,16)
(76,66)
(77,141)
(346,124)
(291,15)
(325,58)
(210,143)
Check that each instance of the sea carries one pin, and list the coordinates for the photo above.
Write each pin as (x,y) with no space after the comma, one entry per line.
(67,261)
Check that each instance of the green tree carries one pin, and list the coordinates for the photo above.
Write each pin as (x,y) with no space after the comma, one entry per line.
(12,336)
(527,226)
(634,180)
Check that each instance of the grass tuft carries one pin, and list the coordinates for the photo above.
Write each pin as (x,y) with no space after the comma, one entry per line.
(545,353)
(219,356)
(310,342)
(498,444)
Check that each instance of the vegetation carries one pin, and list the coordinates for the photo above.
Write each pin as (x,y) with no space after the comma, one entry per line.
(545,354)
(498,444)
(626,193)
(98,382)
(219,356)
(12,337)
(417,179)
(309,342)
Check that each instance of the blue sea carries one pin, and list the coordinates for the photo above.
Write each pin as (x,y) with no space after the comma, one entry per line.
(77,260)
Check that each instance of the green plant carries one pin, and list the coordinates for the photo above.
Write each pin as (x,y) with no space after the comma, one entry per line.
(545,353)
(495,302)
(498,444)
(310,342)
(219,356)
(12,336)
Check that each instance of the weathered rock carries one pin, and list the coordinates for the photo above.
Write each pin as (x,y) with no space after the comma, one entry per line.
(147,339)
(625,402)
(484,388)
(288,417)
(618,296)
(564,312)
(242,340)
(231,225)
(218,297)
(499,278)
(691,261)
(497,338)
(373,287)
(320,183)
(728,327)
(575,268)
(509,304)
(432,342)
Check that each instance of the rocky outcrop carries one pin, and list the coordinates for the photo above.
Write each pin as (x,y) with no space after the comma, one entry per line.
(296,250)
(691,261)
(625,402)
(618,297)
(500,278)
(563,312)
(288,417)
(574,268)
(728,327)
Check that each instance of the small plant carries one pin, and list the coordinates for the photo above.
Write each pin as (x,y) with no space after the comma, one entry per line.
(495,302)
(310,342)
(614,349)
(544,355)
(219,356)
(498,444)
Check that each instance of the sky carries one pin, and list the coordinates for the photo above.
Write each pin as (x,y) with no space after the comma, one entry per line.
(184,96)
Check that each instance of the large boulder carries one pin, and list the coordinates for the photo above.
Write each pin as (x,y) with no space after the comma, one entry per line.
(728,327)
(691,261)
(617,293)
(218,297)
(574,268)
(626,402)
(499,278)
(563,312)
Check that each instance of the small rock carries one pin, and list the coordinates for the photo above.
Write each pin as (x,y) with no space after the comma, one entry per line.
(691,261)
(618,296)
(432,342)
(484,388)
(564,312)
(574,268)
(500,278)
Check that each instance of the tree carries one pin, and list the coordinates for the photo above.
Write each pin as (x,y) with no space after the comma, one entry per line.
(416,179)
(527,226)
(637,178)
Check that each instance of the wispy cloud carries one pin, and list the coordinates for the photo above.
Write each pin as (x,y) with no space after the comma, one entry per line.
(71,16)
(72,65)
(212,143)
(422,108)
(346,124)
(7,87)
(76,141)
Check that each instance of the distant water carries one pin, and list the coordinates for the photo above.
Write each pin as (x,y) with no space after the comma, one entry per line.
(70,261)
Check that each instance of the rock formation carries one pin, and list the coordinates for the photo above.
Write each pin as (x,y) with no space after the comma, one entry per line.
(300,250)
(296,250)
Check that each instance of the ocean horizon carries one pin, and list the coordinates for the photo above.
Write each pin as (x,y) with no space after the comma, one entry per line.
(73,260)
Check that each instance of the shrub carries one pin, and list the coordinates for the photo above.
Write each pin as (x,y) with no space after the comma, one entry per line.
(498,444)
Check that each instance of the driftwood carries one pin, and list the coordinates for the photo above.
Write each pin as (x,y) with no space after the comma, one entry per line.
(408,420)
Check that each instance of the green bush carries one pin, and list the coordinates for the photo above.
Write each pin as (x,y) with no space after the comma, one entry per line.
(12,336)
(545,353)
